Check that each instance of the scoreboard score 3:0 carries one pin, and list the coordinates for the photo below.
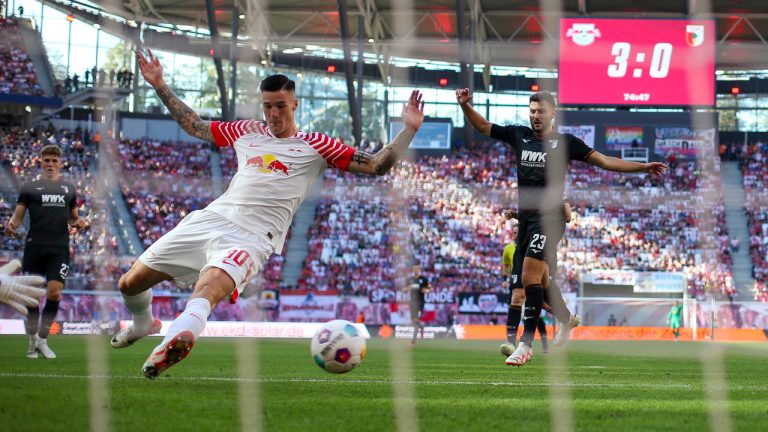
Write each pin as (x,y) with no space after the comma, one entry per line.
(637,62)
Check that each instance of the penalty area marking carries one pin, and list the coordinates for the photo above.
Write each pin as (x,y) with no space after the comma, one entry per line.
(374,381)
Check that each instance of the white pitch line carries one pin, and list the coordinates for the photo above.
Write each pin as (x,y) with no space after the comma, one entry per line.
(373,381)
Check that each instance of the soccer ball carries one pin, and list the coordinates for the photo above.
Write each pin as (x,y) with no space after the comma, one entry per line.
(338,347)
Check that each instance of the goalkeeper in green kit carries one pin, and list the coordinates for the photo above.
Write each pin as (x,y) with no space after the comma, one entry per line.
(674,317)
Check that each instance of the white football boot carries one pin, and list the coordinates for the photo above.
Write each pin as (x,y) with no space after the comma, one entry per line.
(125,337)
(564,332)
(42,347)
(169,354)
(521,356)
(32,349)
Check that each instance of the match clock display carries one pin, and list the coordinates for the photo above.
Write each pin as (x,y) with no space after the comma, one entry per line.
(637,62)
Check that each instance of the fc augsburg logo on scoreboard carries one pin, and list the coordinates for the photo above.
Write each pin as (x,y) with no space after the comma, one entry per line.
(694,35)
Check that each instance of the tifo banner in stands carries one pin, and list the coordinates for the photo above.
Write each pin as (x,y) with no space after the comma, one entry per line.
(483,303)
(309,306)
(586,133)
(684,141)
(621,137)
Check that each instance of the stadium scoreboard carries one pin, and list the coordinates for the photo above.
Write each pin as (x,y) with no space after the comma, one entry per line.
(637,62)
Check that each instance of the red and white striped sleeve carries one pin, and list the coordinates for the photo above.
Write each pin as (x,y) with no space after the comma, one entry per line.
(226,133)
(336,154)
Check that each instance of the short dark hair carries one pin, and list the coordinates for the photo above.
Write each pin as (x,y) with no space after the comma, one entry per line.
(277,82)
(51,149)
(543,96)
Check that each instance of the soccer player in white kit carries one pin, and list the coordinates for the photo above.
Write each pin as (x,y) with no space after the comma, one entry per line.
(219,248)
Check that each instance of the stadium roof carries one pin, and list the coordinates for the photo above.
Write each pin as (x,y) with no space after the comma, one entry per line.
(506,32)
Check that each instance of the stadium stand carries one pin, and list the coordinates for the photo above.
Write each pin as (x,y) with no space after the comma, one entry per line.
(17,72)
(453,216)
(650,224)
(755,171)
(455,232)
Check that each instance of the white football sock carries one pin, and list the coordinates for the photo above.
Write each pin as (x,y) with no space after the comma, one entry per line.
(193,319)
(140,307)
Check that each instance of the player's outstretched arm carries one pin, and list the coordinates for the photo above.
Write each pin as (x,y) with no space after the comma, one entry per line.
(464,98)
(186,117)
(611,163)
(381,162)
(19,292)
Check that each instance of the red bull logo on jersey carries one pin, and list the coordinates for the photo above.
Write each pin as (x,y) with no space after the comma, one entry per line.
(267,164)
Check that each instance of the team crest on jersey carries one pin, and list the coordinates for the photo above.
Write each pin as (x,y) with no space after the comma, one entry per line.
(66,189)
(267,164)
(583,34)
(694,35)
(553,143)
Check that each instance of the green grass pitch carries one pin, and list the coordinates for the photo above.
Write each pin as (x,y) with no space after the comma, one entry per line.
(458,385)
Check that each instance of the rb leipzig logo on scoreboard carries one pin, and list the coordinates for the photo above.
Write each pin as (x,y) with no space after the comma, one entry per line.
(694,35)
(583,34)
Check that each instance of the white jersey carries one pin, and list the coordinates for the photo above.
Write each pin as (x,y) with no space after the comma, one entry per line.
(273,175)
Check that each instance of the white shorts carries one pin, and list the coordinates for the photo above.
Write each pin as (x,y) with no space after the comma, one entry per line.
(205,239)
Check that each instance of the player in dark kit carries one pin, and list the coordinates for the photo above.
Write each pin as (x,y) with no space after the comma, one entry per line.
(542,162)
(51,203)
(553,298)
(516,299)
(418,286)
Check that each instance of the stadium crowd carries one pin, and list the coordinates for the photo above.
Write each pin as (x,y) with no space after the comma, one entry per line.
(163,181)
(17,71)
(673,223)
(754,165)
(440,212)
(453,230)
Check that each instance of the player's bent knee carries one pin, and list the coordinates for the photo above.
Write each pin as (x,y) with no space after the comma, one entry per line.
(125,284)
(139,279)
(215,285)
(518,297)
(54,290)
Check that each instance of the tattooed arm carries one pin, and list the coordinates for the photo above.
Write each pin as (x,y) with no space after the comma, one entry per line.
(188,119)
(381,162)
